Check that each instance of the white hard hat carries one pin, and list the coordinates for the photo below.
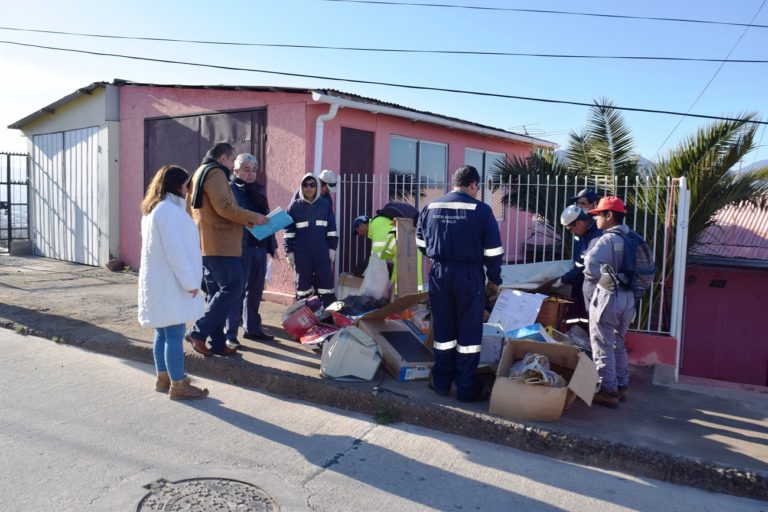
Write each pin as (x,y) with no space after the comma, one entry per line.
(328,177)
(571,214)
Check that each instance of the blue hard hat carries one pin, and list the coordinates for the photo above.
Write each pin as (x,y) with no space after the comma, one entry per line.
(362,219)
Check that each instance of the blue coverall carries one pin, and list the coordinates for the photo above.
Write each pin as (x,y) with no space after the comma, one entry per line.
(578,313)
(310,238)
(460,235)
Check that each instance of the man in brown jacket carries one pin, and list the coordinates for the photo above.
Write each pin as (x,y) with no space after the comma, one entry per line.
(220,222)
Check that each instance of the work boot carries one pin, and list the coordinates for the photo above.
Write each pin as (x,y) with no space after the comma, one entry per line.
(163,382)
(623,392)
(440,392)
(184,390)
(606,399)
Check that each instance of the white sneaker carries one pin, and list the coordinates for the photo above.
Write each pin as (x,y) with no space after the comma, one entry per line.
(233,344)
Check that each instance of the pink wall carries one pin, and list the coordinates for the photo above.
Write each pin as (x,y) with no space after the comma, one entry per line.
(724,336)
(384,126)
(286,148)
(649,349)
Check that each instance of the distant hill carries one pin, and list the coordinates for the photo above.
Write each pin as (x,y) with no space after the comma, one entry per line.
(756,165)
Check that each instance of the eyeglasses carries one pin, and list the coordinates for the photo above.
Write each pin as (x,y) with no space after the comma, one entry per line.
(309,184)
(246,170)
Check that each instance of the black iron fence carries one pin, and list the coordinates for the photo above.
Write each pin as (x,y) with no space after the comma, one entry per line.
(14,198)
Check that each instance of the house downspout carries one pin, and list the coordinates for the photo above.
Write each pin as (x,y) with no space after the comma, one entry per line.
(319,126)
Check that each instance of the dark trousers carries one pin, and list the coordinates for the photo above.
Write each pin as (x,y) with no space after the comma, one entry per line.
(224,282)
(254,264)
(314,275)
(457,298)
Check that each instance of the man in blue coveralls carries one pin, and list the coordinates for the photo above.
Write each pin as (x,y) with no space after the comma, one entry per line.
(460,235)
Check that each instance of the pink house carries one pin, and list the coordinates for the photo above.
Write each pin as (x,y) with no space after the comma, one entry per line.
(136,127)
(726,284)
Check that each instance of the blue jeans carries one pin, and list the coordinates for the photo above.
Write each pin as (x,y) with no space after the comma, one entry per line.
(254,263)
(168,352)
(224,281)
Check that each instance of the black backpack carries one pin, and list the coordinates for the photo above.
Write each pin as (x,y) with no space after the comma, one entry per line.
(637,270)
(401,210)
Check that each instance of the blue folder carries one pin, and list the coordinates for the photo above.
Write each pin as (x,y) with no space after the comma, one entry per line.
(277,220)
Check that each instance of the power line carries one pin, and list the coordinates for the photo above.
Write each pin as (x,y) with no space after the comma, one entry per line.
(712,79)
(388,50)
(373,82)
(547,11)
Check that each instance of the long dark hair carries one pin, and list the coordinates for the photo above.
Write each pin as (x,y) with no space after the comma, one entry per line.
(168,179)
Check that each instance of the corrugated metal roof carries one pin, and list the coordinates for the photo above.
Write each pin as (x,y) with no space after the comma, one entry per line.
(50,109)
(740,232)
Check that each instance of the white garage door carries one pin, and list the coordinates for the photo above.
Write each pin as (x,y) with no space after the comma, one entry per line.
(64,192)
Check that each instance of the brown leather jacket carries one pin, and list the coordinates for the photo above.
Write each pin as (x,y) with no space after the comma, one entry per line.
(219,219)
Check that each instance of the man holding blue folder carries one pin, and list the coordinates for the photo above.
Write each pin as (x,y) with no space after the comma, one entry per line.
(252,196)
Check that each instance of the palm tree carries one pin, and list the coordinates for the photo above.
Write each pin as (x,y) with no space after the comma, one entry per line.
(603,149)
(601,155)
(707,161)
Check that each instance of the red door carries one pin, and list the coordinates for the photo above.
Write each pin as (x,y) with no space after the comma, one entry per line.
(725,333)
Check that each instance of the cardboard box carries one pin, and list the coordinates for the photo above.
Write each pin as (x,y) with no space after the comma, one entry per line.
(348,285)
(405,357)
(518,400)
(552,311)
(407,266)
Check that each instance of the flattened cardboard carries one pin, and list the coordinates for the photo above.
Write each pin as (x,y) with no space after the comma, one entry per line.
(518,400)
(396,306)
(407,282)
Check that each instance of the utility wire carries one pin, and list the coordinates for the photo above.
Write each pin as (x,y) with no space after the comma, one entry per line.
(717,71)
(387,50)
(547,11)
(373,82)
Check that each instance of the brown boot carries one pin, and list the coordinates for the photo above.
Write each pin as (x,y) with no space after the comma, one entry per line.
(163,382)
(606,399)
(623,392)
(183,390)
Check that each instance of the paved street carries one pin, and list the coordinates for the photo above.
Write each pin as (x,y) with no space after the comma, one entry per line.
(82,431)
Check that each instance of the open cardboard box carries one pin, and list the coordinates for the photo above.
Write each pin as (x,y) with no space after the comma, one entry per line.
(404,356)
(518,400)
(348,285)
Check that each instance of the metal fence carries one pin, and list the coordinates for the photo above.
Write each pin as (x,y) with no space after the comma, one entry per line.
(14,198)
(528,211)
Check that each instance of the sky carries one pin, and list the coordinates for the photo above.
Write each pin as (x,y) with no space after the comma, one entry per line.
(33,78)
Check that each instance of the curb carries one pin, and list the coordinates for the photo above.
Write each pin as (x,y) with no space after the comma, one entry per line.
(585,450)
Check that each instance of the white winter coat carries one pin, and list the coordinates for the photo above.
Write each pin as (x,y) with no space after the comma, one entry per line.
(171,266)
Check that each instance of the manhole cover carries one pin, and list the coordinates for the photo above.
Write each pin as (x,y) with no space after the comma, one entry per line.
(206,494)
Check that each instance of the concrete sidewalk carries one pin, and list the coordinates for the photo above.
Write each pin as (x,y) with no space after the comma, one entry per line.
(712,438)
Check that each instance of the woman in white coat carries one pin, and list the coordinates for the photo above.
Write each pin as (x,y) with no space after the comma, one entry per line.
(169,278)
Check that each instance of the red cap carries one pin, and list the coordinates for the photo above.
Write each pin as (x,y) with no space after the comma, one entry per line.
(609,204)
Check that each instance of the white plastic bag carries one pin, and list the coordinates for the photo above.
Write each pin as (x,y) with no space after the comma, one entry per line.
(376,280)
